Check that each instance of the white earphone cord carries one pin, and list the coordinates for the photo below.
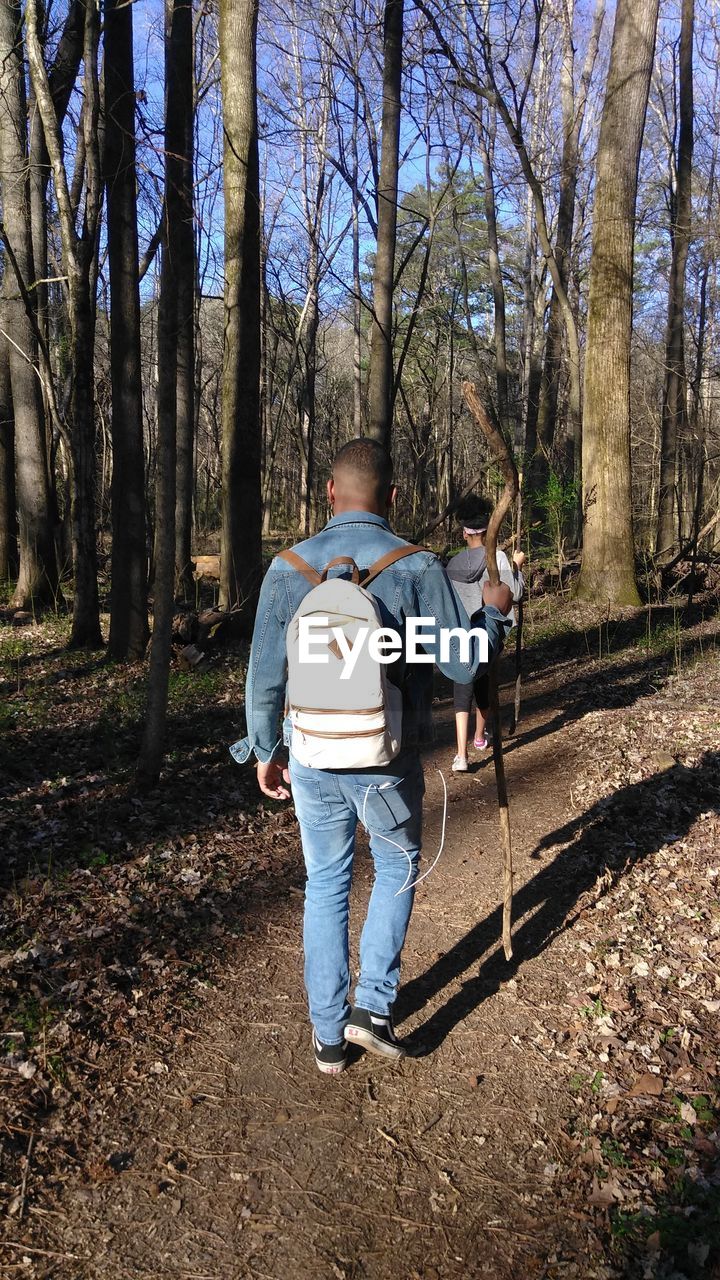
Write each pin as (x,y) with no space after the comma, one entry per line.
(377,836)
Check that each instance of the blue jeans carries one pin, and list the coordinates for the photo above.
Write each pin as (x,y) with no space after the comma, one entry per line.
(388,802)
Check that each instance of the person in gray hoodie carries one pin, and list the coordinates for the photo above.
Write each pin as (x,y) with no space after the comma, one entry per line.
(467,572)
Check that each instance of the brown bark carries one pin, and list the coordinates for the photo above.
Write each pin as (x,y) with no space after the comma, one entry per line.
(486,140)
(185,272)
(357,283)
(608,570)
(153,744)
(674,409)
(38,577)
(8,512)
(79,258)
(241,545)
(313,198)
(129,629)
(573,114)
(380,381)
(61,79)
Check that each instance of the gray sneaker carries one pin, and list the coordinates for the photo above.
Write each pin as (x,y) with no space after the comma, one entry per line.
(460,764)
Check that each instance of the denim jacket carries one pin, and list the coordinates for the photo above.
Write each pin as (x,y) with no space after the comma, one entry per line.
(416,586)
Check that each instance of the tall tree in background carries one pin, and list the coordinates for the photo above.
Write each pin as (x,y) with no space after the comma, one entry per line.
(61,79)
(128,597)
(573,114)
(608,569)
(674,407)
(241,545)
(8,512)
(62,75)
(153,744)
(380,382)
(312,110)
(38,577)
(185,275)
(79,250)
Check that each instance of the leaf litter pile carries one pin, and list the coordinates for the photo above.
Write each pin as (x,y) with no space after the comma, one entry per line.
(119,913)
(642,1146)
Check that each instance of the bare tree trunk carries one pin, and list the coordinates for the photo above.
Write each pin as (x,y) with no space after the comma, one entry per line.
(608,569)
(61,78)
(674,409)
(380,382)
(79,262)
(573,114)
(241,546)
(153,744)
(8,512)
(357,283)
(185,273)
(313,180)
(486,139)
(129,629)
(534,293)
(38,578)
(307,398)
(698,417)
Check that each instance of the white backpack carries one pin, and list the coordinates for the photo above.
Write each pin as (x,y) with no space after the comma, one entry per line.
(352,723)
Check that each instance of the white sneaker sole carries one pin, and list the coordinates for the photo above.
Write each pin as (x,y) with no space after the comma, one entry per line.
(330,1069)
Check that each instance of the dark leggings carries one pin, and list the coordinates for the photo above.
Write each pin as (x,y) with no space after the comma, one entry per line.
(479,688)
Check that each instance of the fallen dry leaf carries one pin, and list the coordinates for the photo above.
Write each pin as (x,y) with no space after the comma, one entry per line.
(647,1085)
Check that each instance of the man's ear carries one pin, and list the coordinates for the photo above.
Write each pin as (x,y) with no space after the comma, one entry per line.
(392,496)
(331,491)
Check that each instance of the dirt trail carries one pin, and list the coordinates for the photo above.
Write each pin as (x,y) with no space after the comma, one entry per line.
(191,1136)
(238,1159)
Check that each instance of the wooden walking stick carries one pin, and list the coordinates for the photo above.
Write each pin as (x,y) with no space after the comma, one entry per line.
(502,456)
(515,715)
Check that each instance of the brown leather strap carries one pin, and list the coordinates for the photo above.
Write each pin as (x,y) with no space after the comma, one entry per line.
(341,560)
(365,577)
(302,566)
(389,558)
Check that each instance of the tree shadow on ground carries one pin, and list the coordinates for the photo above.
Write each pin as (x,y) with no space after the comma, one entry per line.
(613,684)
(66,788)
(617,832)
(610,636)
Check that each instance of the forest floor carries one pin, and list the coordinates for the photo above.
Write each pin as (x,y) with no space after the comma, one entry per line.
(162,1115)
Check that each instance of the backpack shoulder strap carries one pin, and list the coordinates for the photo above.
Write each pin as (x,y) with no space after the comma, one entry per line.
(389,558)
(341,560)
(297,562)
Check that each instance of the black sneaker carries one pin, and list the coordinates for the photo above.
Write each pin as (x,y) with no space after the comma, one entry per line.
(374,1031)
(331,1059)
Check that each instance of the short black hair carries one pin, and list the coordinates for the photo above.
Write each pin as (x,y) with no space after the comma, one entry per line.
(369,460)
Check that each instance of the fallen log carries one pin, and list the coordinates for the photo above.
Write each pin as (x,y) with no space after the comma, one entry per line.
(206,567)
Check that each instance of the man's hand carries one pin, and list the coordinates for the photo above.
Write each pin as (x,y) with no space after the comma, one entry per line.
(519,559)
(500,596)
(271,777)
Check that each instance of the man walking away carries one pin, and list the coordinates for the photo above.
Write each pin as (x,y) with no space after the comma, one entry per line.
(407,583)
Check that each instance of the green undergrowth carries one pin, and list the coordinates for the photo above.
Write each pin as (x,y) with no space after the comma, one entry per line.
(554,627)
(685,1226)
